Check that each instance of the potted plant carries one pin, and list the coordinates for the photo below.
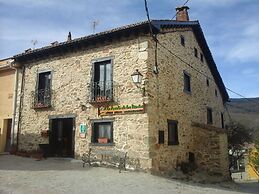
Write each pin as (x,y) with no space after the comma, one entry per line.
(39,105)
(103,140)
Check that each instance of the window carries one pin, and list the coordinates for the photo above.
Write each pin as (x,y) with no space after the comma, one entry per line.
(161,137)
(209,116)
(191,158)
(182,40)
(195,52)
(102,132)
(216,92)
(172,132)
(201,56)
(102,85)
(187,82)
(222,121)
(208,82)
(43,90)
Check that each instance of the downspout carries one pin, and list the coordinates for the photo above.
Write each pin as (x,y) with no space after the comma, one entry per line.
(14,102)
(20,106)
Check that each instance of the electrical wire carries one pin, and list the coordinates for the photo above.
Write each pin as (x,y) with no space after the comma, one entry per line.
(202,73)
(149,22)
(182,6)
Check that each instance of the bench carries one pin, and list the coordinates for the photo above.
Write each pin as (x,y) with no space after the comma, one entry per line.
(114,157)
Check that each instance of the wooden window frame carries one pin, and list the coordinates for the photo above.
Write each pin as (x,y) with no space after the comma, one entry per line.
(187,82)
(98,122)
(182,40)
(161,137)
(222,120)
(176,139)
(209,116)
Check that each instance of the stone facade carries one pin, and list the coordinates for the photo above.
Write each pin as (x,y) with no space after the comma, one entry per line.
(71,76)
(162,94)
(169,101)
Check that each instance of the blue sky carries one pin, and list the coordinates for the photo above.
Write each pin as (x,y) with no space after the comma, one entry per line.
(231,28)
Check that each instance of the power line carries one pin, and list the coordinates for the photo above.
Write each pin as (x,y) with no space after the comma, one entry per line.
(182,6)
(149,22)
(202,73)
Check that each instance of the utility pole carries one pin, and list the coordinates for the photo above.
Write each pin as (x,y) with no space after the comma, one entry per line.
(34,42)
(94,24)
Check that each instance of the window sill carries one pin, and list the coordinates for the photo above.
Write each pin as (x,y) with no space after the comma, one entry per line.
(173,144)
(102,144)
(42,107)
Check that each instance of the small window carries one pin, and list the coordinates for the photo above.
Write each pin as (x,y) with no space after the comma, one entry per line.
(187,82)
(195,52)
(191,158)
(182,40)
(102,132)
(208,82)
(172,132)
(43,90)
(209,116)
(201,56)
(216,92)
(222,121)
(161,137)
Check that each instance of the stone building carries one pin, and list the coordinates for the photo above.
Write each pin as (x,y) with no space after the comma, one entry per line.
(80,94)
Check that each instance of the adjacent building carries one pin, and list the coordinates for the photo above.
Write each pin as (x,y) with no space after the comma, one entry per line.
(7,100)
(158,97)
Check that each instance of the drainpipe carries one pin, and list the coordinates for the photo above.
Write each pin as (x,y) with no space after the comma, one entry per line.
(14,102)
(20,107)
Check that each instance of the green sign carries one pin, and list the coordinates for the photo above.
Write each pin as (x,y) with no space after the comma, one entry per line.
(83,128)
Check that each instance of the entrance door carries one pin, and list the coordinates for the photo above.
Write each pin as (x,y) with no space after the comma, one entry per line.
(8,134)
(61,137)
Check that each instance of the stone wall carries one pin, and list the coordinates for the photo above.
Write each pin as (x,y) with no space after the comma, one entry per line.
(169,101)
(211,151)
(164,98)
(71,76)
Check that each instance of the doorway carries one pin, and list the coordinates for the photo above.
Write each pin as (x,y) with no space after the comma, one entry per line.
(8,126)
(61,137)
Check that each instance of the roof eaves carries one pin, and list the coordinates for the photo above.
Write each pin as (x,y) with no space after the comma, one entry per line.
(77,40)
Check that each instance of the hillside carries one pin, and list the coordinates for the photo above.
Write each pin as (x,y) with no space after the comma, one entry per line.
(246,111)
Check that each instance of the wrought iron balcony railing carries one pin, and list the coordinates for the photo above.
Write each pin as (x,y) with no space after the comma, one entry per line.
(42,98)
(102,91)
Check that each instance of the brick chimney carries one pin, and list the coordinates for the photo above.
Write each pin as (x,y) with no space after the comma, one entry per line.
(182,14)
(69,37)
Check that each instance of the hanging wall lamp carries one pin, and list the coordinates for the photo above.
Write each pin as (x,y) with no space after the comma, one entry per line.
(137,77)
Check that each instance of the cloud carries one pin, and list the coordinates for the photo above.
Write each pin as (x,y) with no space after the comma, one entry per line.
(29,3)
(218,3)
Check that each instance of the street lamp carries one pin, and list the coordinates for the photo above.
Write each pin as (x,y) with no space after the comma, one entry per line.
(137,77)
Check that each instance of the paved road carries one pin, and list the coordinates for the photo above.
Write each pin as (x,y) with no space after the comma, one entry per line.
(55,176)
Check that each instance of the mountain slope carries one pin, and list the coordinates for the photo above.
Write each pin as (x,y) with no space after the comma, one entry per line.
(245,111)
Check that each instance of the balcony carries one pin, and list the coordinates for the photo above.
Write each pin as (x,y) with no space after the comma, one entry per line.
(41,98)
(102,92)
